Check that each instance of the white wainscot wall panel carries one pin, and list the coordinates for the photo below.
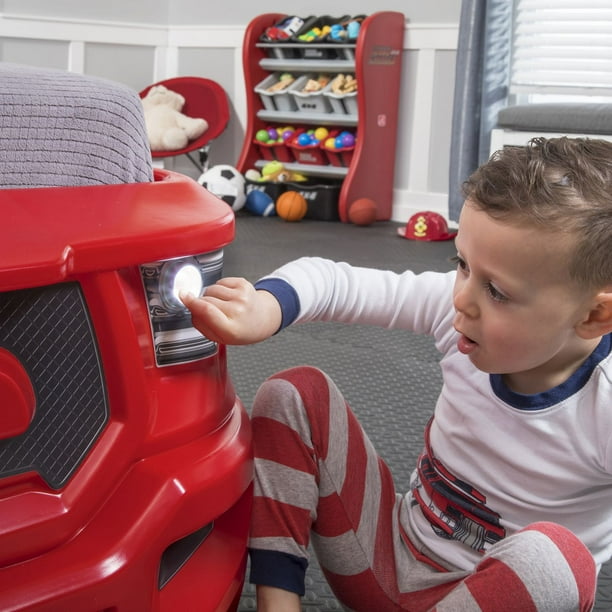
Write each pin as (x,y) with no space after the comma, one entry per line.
(412,191)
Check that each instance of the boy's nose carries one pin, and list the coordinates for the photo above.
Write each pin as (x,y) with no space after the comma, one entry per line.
(463,299)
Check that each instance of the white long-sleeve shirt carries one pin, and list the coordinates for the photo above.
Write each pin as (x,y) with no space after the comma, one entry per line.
(494,460)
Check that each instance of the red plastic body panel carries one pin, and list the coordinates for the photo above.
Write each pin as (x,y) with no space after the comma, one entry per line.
(66,232)
(175,454)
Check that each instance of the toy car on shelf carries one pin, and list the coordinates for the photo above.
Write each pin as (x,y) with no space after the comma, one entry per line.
(125,455)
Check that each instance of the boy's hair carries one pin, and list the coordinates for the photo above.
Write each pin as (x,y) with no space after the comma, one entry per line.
(560,185)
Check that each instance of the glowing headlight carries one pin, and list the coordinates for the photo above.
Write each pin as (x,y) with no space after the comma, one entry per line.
(177,276)
(175,340)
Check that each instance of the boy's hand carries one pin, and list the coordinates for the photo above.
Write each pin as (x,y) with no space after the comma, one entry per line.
(233,312)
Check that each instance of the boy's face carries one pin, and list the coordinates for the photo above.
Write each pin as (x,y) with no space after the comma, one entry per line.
(516,307)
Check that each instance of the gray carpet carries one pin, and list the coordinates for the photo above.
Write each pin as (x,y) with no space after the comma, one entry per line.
(390,378)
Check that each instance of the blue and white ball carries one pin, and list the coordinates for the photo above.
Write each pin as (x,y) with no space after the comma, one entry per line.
(226,183)
(260,203)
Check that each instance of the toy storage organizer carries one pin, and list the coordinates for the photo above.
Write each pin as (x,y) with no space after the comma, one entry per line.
(346,174)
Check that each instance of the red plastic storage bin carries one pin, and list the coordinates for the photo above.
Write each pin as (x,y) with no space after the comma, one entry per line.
(340,158)
(276,151)
(307,154)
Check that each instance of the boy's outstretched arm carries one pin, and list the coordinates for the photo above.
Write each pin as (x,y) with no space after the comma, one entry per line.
(232,311)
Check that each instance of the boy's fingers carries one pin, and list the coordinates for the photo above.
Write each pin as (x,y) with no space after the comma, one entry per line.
(186,297)
(221,292)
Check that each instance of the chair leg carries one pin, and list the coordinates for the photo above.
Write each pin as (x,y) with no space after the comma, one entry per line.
(202,162)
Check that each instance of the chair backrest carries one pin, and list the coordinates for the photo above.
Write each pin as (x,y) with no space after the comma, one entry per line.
(204,99)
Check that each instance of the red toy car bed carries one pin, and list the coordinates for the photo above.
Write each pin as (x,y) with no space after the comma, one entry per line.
(125,459)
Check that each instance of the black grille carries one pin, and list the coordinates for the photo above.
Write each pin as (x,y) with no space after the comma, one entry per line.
(49,331)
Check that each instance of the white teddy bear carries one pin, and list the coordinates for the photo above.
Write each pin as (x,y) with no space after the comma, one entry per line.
(168,128)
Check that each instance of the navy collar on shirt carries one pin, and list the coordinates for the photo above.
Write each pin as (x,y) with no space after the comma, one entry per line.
(553,396)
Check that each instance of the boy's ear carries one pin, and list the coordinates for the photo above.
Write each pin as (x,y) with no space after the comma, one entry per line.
(599,319)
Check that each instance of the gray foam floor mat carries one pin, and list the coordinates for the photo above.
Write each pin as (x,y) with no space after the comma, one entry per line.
(390,378)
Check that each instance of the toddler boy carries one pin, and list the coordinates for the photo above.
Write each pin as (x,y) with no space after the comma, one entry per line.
(510,504)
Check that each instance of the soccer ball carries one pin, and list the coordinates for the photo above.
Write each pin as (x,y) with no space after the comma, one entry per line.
(226,183)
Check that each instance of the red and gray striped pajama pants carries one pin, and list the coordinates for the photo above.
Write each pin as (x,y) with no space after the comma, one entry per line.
(318,478)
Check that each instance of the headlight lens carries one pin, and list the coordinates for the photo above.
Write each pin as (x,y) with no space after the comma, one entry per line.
(176,276)
(175,340)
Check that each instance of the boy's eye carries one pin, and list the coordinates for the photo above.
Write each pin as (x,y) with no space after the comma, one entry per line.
(495,293)
(459,262)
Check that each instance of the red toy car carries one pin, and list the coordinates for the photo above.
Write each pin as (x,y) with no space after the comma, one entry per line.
(125,455)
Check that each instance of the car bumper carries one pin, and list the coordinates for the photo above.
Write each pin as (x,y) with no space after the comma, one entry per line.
(146,529)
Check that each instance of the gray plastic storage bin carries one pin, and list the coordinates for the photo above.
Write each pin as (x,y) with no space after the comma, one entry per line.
(275,100)
(343,104)
(310,101)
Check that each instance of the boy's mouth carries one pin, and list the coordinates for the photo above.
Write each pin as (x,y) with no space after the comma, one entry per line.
(465,345)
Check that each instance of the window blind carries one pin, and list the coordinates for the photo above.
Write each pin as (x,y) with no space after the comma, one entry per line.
(562,47)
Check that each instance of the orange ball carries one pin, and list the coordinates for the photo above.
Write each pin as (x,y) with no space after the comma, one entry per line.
(291,206)
(362,211)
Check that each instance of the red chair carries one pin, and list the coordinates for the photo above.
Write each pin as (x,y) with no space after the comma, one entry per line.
(204,99)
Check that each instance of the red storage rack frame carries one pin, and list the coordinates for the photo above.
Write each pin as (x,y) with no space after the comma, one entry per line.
(377,67)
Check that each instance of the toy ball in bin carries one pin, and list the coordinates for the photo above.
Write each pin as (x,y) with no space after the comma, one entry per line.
(227,183)
(344,139)
(291,206)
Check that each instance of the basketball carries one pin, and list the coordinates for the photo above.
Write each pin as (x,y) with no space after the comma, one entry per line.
(291,206)
(362,211)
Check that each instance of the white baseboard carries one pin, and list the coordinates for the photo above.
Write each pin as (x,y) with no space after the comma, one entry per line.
(407,203)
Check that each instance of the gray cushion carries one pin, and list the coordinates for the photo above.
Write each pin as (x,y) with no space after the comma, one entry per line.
(587,118)
(63,129)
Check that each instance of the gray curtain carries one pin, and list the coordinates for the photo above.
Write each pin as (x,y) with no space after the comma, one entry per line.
(481,87)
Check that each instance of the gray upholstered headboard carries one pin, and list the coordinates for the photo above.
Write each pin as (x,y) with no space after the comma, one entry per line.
(63,129)
(576,118)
